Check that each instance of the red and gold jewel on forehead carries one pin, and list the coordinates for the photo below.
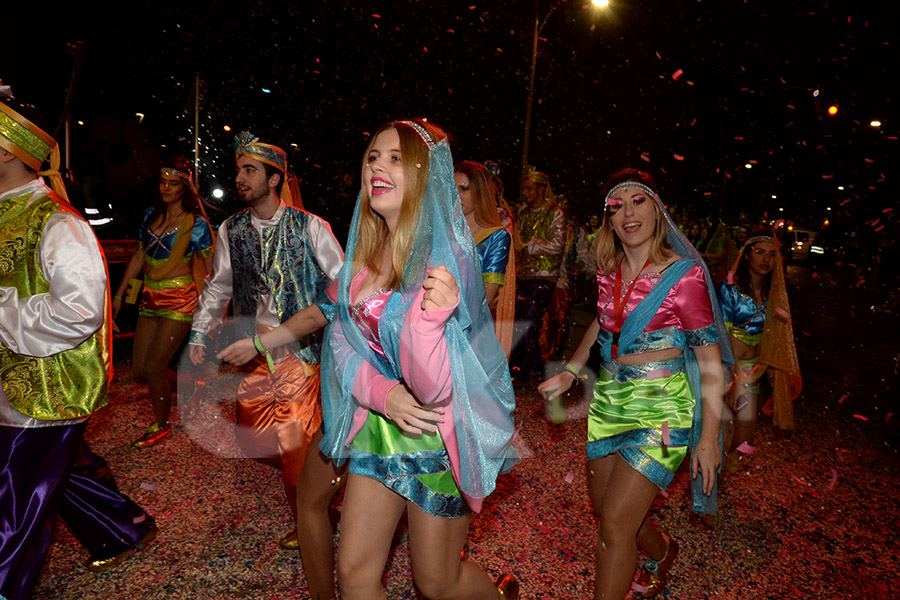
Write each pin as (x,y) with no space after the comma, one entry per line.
(170,171)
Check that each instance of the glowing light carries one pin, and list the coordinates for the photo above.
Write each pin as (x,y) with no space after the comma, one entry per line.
(600,3)
(833,110)
(80,122)
(227,128)
(875,123)
(774,196)
(748,166)
(140,117)
(218,193)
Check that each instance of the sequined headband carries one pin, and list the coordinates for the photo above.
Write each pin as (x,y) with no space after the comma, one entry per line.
(171,171)
(24,139)
(760,238)
(538,177)
(423,133)
(246,144)
(631,184)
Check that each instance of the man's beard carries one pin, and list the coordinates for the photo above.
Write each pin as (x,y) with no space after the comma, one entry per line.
(253,197)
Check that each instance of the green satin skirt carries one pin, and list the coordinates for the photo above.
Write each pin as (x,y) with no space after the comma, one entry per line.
(415,466)
(631,403)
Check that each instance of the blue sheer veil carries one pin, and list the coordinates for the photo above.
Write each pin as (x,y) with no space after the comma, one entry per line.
(483,399)
(644,312)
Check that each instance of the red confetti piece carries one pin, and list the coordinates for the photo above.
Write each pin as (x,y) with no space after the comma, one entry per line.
(677,74)
(798,480)
(638,587)
(861,417)
(815,275)
(841,454)
(842,398)
(782,313)
(834,478)
(569,478)
(887,210)
(667,439)
(678,157)
(645,157)
(887,417)
(745,448)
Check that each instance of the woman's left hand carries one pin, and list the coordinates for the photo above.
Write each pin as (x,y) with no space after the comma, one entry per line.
(239,353)
(705,460)
(441,291)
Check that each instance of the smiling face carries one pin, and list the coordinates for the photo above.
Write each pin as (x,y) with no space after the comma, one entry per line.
(464,187)
(761,258)
(632,214)
(383,175)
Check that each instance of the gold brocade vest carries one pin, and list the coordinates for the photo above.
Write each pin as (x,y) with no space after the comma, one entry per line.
(536,224)
(72,383)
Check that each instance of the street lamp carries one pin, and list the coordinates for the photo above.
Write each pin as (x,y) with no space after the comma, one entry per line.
(538,27)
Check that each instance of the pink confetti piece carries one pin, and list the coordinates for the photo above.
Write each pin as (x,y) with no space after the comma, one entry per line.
(678,157)
(148,486)
(677,74)
(860,417)
(667,439)
(841,454)
(746,448)
(645,157)
(834,479)
(782,313)
(664,493)
(638,587)
(569,478)
(842,398)
(798,480)
(140,519)
(730,277)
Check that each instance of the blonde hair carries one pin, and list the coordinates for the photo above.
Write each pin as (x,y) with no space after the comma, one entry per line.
(484,192)
(607,247)
(372,230)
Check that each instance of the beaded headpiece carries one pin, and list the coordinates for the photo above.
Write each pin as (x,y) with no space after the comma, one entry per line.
(760,238)
(538,177)
(247,144)
(423,133)
(631,184)
(176,172)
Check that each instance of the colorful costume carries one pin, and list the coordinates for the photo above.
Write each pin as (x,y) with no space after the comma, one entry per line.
(172,297)
(449,358)
(55,367)
(543,232)
(498,265)
(269,270)
(768,326)
(635,406)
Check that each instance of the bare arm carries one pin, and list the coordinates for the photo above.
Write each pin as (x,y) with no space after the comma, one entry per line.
(560,383)
(706,457)
(303,323)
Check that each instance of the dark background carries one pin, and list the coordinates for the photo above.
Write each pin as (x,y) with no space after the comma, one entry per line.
(317,77)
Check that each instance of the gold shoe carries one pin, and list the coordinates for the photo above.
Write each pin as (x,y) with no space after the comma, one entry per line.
(507,587)
(101,565)
(732,462)
(654,575)
(154,434)
(290,541)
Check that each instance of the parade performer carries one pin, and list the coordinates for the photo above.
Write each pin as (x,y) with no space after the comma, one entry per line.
(55,367)
(756,311)
(660,390)
(493,243)
(542,226)
(416,386)
(174,253)
(273,260)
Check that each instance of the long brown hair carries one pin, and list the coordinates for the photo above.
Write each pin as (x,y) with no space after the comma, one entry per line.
(372,230)
(742,273)
(484,192)
(607,247)
(191,201)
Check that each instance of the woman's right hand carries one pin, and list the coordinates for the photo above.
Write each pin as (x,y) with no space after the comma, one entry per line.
(116,307)
(556,385)
(403,409)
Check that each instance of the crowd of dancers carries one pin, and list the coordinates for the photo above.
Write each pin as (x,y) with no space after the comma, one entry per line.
(386,368)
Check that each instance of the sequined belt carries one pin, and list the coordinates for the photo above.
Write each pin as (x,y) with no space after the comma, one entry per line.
(647,370)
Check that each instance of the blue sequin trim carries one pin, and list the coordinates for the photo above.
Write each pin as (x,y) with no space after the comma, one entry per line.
(623,373)
(628,445)
(398,472)
(705,336)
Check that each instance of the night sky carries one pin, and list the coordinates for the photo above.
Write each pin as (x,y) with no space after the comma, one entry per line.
(691,91)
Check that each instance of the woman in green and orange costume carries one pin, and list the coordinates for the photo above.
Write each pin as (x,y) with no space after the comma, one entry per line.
(174,253)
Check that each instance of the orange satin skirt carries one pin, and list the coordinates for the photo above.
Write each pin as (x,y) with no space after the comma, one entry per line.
(277,415)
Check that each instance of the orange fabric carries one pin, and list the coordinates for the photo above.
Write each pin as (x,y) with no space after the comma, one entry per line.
(505,313)
(180,299)
(277,415)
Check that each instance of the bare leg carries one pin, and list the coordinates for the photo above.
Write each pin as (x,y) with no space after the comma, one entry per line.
(621,497)
(368,519)
(319,482)
(745,418)
(435,545)
(164,340)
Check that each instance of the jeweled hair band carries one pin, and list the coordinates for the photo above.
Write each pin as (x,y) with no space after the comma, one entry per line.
(171,171)
(760,238)
(631,184)
(423,133)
